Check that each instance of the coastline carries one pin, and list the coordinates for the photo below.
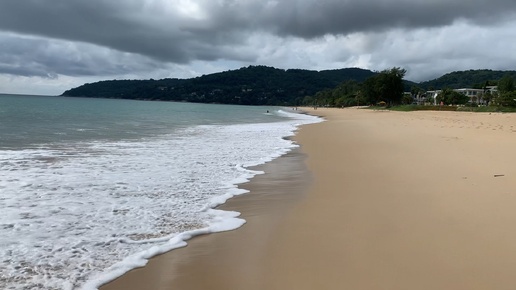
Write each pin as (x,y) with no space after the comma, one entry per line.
(399,200)
(271,195)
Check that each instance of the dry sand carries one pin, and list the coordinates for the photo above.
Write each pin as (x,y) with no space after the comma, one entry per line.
(398,200)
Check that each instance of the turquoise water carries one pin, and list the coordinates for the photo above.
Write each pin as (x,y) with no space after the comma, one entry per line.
(91,188)
(32,120)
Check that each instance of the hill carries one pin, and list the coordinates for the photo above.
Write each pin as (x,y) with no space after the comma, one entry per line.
(262,85)
(466,79)
(253,85)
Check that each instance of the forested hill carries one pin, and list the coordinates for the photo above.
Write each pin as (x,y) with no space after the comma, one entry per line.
(253,85)
(467,79)
(262,85)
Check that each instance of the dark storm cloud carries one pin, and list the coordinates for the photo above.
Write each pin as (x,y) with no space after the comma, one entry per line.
(25,56)
(315,18)
(181,31)
(130,26)
(151,38)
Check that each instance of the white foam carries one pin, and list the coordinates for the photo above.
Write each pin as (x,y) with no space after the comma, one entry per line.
(69,212)
(304,118)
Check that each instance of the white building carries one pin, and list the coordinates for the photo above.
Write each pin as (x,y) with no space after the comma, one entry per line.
(475,95)
(428,95)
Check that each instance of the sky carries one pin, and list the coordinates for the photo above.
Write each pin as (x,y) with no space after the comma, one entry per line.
(49,46)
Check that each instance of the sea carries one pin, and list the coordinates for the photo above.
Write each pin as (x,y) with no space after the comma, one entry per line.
(92,188)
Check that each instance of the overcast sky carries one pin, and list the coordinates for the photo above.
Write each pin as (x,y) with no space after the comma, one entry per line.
(50,46)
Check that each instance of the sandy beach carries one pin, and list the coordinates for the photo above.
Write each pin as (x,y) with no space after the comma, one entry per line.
(371,200)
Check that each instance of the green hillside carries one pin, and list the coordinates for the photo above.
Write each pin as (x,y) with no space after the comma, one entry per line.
(262,85)
(253,85)
(466,79)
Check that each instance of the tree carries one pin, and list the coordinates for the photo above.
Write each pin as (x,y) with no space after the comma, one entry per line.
(429,99)
(418,94)
(369,90)
(308,100)
(387,86)
(414,90)
(451,97)
(506,84)
(506,92)
(489,97)
(440,98)
(344,95)
(506,99)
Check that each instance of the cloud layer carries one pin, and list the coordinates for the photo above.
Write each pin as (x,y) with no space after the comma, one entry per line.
(159,38)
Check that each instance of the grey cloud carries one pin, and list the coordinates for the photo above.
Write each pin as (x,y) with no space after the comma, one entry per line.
(130,26)
(315,18)
(209,30)
(105,38)
(25,56)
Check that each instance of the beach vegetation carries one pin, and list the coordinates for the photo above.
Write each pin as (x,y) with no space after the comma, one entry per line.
(465,108)
(262,85)
(387,86)
(346,94)
(506,99)
(407,99)
(489,96)
(506,84)
(451,97)
(487,109)
(501,100)
(506,96)
(412,107)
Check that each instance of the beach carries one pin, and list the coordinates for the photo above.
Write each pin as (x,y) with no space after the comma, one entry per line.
(370,200)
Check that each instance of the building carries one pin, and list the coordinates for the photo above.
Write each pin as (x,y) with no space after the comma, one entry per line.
(476,96)
(427,97)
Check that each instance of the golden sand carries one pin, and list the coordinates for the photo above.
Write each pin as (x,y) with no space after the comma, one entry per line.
(398,200)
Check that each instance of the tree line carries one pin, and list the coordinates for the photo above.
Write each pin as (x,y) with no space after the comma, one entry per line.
(506,94)
(385,88)
(388,88)
(262,85)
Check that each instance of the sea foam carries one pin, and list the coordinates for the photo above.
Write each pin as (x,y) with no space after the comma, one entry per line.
(75,216)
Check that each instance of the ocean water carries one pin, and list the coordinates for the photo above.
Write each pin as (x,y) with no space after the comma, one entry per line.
(91,188)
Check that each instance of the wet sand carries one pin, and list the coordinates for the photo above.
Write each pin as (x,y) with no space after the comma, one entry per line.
(234,259)
(398,200)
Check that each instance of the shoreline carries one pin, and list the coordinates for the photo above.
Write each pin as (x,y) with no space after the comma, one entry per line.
(396,200)
(223,219)
(270,197)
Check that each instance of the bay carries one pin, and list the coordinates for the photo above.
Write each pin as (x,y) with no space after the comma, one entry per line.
(91,188)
